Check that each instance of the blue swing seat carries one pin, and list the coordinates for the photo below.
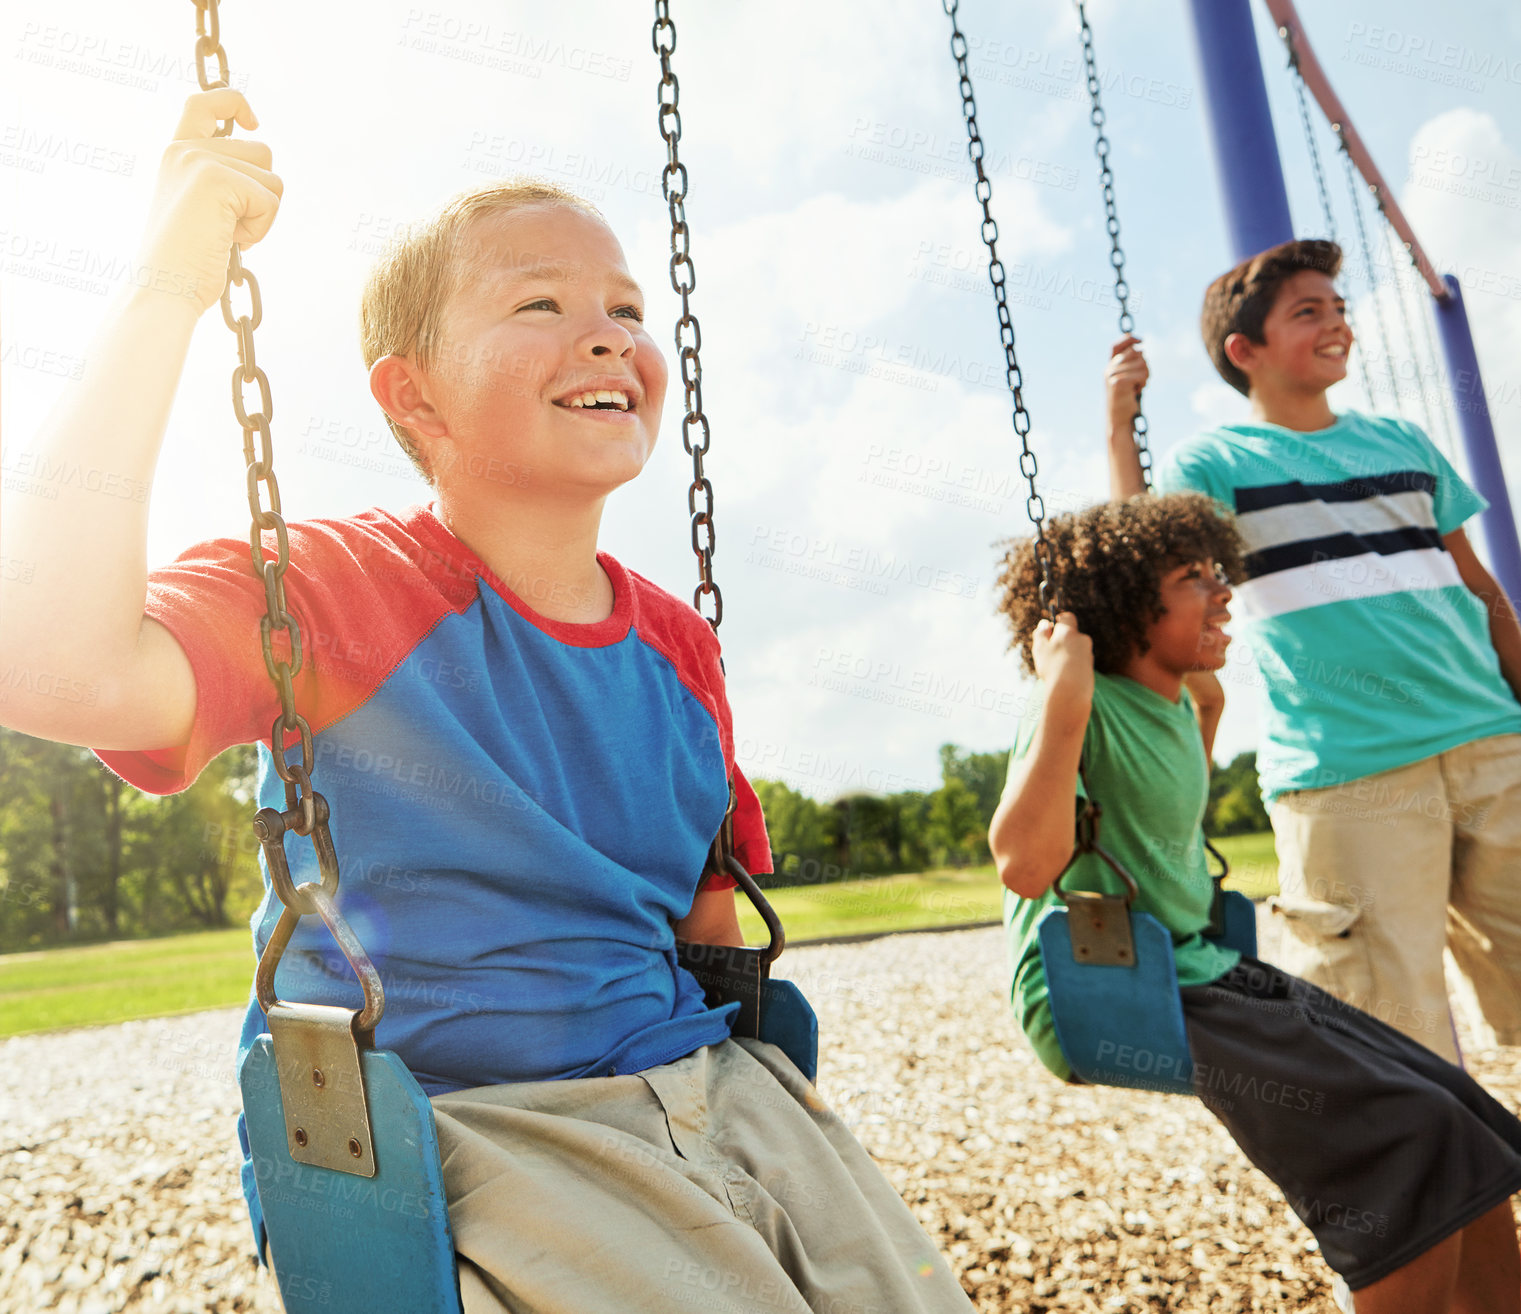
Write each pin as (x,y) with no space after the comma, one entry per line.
(1122,1025)
(345,1242)
(789,1022)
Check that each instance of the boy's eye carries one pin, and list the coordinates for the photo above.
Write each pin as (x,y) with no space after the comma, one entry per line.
(542,303)
(630,312)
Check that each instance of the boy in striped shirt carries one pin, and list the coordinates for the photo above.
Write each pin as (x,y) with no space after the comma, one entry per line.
(1387,661)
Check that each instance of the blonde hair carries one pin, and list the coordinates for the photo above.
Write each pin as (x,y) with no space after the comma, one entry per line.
(402,308)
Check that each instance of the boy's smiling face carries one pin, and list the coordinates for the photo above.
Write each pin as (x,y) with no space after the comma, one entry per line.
(1306,338)
(543,364)
(1189,634)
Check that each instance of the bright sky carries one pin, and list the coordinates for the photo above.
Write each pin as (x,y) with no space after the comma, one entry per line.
(863,459)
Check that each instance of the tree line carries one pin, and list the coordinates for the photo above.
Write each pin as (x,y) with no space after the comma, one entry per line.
(881,834)
(84,857)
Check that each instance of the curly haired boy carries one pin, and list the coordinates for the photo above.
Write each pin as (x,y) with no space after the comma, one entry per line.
(1398,1161)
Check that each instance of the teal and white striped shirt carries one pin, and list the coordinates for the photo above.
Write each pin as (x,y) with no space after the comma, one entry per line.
(1369,652)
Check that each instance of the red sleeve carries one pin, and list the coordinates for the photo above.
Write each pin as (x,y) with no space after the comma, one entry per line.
(360,596)
(752,846)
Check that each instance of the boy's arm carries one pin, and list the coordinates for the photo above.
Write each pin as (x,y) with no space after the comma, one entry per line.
(1124,378)
(1504,631)
(713,919)
(86,666)
(1032,831)
(1208,696)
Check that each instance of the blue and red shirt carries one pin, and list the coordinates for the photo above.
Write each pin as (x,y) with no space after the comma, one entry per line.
(521,807)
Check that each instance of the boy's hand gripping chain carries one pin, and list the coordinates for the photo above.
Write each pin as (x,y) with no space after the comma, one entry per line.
(330,1129)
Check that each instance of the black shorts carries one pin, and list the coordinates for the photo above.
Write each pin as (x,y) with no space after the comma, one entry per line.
(1382,1148)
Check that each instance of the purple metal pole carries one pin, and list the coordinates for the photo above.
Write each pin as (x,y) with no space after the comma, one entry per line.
(1479,438)
(1241,127)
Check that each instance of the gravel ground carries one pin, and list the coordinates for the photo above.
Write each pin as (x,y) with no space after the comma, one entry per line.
(118,1173)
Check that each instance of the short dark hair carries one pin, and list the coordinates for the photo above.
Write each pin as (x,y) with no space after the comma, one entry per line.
(1107,564)
(1239,302)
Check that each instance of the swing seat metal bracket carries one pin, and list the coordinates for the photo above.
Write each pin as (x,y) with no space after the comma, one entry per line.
(1099,925)
(327,1120)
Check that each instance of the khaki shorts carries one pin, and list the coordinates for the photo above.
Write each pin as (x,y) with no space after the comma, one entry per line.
(718,1184)
(1379,875)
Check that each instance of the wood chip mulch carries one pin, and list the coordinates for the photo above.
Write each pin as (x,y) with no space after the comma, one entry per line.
(119,1186)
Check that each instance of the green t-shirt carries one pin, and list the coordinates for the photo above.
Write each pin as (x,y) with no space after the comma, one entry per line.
(1370,651)
(1146,765)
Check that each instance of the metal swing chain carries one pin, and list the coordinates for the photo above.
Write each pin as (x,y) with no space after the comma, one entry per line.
(695,433)
(1139,425)
(1353,179)
(306,811)
(1439,385)
(1035,507)
(1321,187)
(1391,239)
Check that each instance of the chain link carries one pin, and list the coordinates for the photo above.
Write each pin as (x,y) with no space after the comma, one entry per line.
(1328,215)
(695,434)
(1354,187)
(279,634)
(1035,507)
(1139,425)
(1393,242)
(208,43)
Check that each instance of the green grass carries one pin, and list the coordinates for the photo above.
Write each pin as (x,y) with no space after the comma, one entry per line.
(1254,865)
(126,979)
(887,903)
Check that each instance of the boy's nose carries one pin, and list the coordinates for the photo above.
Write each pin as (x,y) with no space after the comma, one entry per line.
(609,338)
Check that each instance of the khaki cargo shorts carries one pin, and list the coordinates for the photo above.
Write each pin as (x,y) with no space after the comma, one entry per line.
(1378,876)
(718,1184)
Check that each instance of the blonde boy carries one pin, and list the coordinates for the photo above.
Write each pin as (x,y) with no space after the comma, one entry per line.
(526,746)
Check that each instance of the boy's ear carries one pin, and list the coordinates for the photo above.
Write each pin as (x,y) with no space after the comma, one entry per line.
(1240,350)
(401,389)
